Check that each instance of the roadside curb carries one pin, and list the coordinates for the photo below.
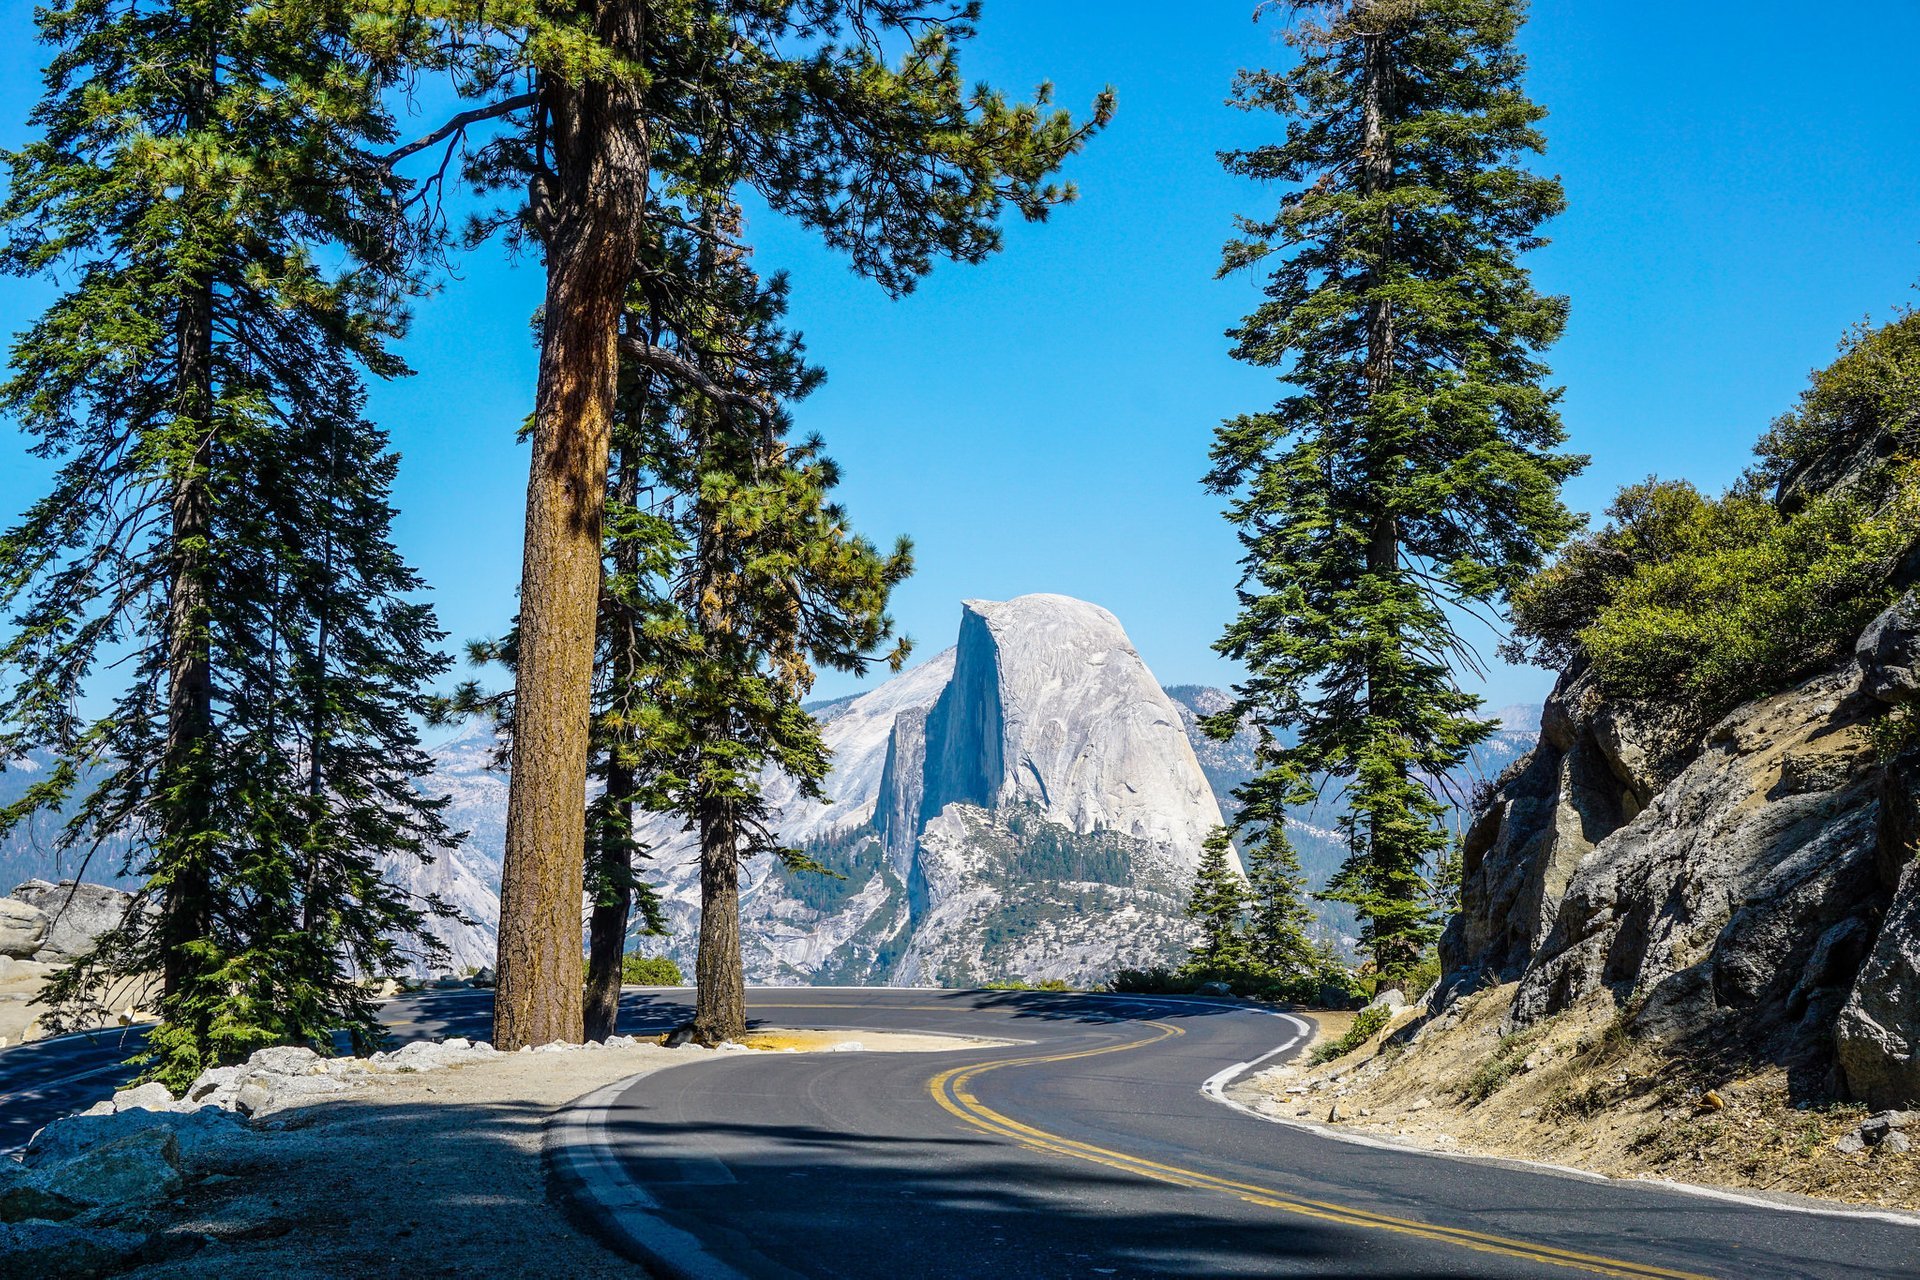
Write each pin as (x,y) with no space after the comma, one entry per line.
(599,1197)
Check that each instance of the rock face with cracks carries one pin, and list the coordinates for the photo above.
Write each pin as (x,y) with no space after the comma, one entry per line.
(1752,886)
(73,915)
(1027,804)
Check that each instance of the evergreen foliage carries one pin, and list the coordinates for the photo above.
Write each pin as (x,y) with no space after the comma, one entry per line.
(644,117)
(1410,477)
(1707,602)
(1217,903)
(1278,918)
(1716,600)
(651,971)
(203,183)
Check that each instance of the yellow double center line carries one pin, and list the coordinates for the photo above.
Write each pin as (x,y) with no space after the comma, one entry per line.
(951,1090)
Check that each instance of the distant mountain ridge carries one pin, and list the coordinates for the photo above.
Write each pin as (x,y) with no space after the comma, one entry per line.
(1027,804)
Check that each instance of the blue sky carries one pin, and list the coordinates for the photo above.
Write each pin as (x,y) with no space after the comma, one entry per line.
(1743,179)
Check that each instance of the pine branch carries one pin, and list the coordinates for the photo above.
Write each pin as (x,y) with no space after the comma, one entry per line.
(674,365)
(460,124)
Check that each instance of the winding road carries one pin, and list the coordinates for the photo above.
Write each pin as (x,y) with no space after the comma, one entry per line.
(1096,1144)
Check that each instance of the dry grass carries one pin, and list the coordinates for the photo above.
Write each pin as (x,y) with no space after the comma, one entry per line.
(1578,1090)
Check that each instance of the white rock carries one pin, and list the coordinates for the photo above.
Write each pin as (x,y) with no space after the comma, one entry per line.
(215,1085)
(77,914)
(152,1096)
(23,929)
(286,1060)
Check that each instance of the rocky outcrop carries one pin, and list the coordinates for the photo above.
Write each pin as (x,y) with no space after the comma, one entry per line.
(1026,804)
(1753,886)
(1545,816)
(23,929)
(72,916)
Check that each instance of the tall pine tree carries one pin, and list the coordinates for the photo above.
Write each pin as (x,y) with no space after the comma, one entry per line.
(217,526)
(1410,477)
(849,116)
(1217,903)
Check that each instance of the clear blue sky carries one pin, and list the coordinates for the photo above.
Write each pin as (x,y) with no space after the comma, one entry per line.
(1744,183)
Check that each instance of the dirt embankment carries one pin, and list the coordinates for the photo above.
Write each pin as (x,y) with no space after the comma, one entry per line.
(1578,1090)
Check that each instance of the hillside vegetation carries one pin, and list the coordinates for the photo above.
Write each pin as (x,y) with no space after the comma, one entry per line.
(1688,935)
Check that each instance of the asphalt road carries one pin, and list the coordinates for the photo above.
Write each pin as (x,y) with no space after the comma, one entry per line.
(1091,1151)
(1088,1149)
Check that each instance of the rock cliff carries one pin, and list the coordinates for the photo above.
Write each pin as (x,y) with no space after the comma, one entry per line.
(1026,804)
(1747,894)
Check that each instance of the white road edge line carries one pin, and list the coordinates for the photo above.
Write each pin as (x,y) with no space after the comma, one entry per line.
(1215,1087)
(579,1151)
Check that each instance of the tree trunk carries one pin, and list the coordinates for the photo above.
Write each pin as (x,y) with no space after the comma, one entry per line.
(186,904)
(594,221)
(1376,174)
(539,975)
(607,930)
(613,906)
(720,1001)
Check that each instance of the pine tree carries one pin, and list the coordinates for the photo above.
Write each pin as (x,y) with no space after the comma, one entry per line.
(217,525)
(638,630)
(1218,904)
(1277,916)
(772,585)
(894,163)
(1409,479)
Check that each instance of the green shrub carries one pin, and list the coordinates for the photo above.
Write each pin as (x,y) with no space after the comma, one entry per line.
(1873,387)
(1364,1026)
(1706,602)
(1488,1078)
(1713,601)
(1021,984)
(650,971)
(1250,981)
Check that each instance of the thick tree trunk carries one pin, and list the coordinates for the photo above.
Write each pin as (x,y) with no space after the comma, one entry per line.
(593,218)
(186,900)
(720,1002)
(539,972)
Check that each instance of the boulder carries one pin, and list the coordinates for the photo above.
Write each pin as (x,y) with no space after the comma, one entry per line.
(1888,653)
(263,1093)
(23,930)
(1877,1035)
(59,1251)
(215,1086)
(1393,1000)
(23,1198)
(152,1096)
(1213,989)
(137,1171)
(286,1060)
(193,1132)
(78,913)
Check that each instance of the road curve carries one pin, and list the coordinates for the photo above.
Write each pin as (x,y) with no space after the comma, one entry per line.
(1090,1150)
(1087,1149)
